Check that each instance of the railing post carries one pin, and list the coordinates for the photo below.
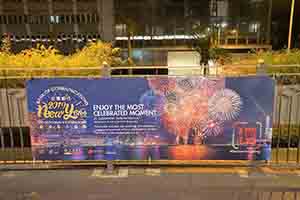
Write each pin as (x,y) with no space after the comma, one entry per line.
(261,67)
(298,123)
(279,127)
(2,139)
(21,130)
(8,109)
(282,195)
(106,71)
(270,196)
(289,128)
(149,160)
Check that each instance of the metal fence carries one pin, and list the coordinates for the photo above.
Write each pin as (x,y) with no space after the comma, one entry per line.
(15,132)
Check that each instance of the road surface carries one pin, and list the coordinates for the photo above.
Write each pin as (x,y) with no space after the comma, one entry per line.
(150,184)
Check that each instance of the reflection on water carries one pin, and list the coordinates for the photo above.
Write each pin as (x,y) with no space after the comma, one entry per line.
(118,152)
(189,152)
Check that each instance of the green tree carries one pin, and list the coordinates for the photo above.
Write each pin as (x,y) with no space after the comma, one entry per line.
(204,42)
(202,39)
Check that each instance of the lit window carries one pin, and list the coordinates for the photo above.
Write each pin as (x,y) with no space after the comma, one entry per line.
(219,8)
(120,29)
(54,19)
(254,27)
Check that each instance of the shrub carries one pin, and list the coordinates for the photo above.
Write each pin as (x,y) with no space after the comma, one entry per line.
(280,57)
(41,57)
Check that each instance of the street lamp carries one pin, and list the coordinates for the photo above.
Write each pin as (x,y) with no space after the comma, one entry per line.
(291,25)
(234,31)
(224,24)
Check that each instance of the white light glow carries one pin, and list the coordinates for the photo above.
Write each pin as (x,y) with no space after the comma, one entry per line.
(160,37)
(224,24)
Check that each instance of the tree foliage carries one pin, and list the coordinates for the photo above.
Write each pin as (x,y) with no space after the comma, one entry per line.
(280,57)
(42,61)
(92,55)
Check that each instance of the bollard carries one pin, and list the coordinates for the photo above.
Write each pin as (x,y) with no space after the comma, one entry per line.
(279,129)
(109,167)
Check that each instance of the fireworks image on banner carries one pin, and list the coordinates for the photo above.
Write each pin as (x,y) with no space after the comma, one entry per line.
(208,128)
(162,85)
(186,106)
(172,97)
(224,105)
(186,85)
(212,129)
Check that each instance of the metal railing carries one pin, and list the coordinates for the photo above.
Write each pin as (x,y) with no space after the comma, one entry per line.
(14,125)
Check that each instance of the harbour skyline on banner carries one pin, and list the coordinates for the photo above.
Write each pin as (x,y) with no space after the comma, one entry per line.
(120,118)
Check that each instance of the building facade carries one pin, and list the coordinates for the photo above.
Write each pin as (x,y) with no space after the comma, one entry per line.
(69,24)
(46,21)
(171,22)
(156,27)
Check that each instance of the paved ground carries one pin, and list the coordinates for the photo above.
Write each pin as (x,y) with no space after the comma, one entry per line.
(152,184)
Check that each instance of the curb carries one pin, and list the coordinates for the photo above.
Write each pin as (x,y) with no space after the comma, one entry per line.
(125,171)
(101,164)
(50,165)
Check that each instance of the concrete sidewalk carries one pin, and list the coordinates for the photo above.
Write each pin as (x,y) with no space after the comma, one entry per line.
(156,169)
(147,184)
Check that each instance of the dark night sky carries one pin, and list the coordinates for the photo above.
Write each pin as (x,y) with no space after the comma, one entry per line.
(281,15)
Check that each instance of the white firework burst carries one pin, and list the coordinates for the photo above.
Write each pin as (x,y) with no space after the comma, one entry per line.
(171,109)
(171,97)
(187,84)
(224,105)
(212,129)
(208,128)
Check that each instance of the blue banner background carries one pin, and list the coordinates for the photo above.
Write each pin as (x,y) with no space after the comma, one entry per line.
(191,118)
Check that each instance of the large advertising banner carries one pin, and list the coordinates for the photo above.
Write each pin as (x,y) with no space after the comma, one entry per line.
(171,118)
